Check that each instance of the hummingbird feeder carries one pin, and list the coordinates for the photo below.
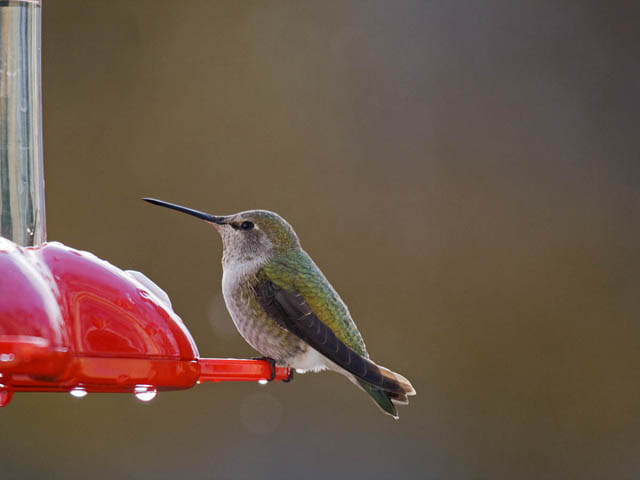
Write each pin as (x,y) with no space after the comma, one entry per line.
(69,321)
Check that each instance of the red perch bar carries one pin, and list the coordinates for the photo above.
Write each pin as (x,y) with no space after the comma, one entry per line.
(70,321)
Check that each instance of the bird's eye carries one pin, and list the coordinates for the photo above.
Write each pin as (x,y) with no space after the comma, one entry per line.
(246,225)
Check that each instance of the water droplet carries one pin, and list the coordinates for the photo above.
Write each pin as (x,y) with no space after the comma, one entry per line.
(143,293)
(145,393)
(78,392)
(263,381)
(7,357)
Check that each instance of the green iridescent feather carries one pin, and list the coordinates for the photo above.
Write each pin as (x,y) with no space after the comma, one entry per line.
(294,270)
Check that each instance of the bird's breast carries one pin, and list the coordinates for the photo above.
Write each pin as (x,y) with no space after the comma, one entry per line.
(253,323)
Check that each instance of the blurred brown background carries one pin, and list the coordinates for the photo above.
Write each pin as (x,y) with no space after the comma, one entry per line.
(465,173)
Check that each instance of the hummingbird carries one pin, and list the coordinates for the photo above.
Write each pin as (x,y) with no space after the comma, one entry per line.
(286,309)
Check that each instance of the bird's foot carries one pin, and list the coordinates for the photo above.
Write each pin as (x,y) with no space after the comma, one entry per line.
(271,362)
(290,377)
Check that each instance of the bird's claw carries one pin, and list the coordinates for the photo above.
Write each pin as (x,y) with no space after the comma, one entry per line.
(290,377)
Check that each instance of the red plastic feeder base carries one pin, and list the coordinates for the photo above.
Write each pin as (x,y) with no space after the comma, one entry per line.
(72,322)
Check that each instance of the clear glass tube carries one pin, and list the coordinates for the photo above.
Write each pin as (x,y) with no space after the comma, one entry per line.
(22,209)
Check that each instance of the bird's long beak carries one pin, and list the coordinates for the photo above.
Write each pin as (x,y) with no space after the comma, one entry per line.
(190,211)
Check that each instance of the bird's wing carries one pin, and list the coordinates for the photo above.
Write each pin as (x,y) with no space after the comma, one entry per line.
(289,308)
(295,270)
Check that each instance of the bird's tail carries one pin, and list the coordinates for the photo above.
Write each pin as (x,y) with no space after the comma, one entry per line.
(387,400)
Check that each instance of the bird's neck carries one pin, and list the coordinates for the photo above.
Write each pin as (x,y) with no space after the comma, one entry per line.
(242,267)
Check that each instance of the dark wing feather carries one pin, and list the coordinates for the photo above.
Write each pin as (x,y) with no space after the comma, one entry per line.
(290,310)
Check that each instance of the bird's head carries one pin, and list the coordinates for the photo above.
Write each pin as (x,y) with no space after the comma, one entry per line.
(246,236)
